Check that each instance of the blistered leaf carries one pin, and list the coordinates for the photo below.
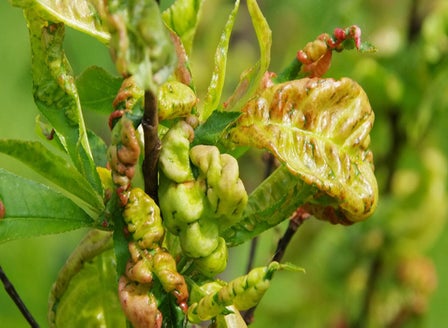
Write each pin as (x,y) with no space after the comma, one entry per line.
(97,89)
(216,85)
(56,95)
(251,79)
(319,128)
(32,209)
(140,42)
(85,292)
(56,170)
(182,17)
(80,15)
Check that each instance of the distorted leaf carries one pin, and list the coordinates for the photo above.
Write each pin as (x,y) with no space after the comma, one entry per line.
(32,209)
(182,17)
(216,85)
(85,292)
(319,128)
(80,15)
(56,95)
(97,89)
(140,42)
(56,170)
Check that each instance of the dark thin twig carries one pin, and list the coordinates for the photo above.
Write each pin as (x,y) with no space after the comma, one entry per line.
(300,215)
(150,123)
(17,300)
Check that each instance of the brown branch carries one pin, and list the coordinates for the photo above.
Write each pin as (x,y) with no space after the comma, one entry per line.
(300,215)
(150,123)
(9,287)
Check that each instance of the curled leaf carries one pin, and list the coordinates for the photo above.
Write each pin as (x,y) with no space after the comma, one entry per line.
(319,128)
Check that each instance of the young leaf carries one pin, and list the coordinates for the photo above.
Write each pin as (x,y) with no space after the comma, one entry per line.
(80,15)
(55,93)
(319,128)
(251,79)
(55,169)
(97,89)
(216,85)
(182,17)
(32,209)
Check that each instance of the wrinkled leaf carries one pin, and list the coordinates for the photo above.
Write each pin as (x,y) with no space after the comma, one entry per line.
(80,15)
(182,17)
(55,93)
(140,42)
(319,128)
(33,209)
(251,79)
(216,85)
(97,89)
(56,170)
(85,292)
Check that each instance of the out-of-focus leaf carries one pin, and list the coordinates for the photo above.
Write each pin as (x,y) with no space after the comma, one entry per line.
(97,89)
(32,209)
(216,85)
(55,93)
(251,79)
(85,292)
(182,17)
(319,128)
(80,15)
(140,42)
(56,170)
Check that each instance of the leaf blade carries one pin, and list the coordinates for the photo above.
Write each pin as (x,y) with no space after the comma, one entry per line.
(33,209)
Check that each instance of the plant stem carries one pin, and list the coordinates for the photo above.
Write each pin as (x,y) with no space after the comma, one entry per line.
(150,123)
(16,298)
(300,215)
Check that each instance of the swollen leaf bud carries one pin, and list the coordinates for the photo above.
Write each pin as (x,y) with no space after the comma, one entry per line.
(199,239)
(215,263)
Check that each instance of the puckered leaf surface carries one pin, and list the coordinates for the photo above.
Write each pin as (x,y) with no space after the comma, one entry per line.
(319,128)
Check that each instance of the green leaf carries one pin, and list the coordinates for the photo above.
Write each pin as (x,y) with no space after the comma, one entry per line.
(55,93)
(99,149)
(33,209)
(216,85)
(80,15)
(319,128)
(56,170)
(97,89)
(212,130)
(272,202)
(251,79)
(85,292)
(182,17)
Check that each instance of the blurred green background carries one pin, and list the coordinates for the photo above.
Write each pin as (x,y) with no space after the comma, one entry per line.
(397,251)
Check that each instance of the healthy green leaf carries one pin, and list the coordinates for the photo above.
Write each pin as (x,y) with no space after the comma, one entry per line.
(56,170)
(33,209)
(55,93)
(216,85)
(319,128)
(97,89)
(99,149)
(272,202)
(85,292)
(251,79)
(212,130)
(80,15)
(182,17)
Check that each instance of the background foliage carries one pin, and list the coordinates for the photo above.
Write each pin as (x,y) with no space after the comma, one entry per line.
(405,81)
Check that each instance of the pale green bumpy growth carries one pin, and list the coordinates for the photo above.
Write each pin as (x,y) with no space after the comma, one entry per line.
(243,292)
(199,201)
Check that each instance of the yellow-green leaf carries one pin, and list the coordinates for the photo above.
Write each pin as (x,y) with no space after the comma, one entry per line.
(319,128)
